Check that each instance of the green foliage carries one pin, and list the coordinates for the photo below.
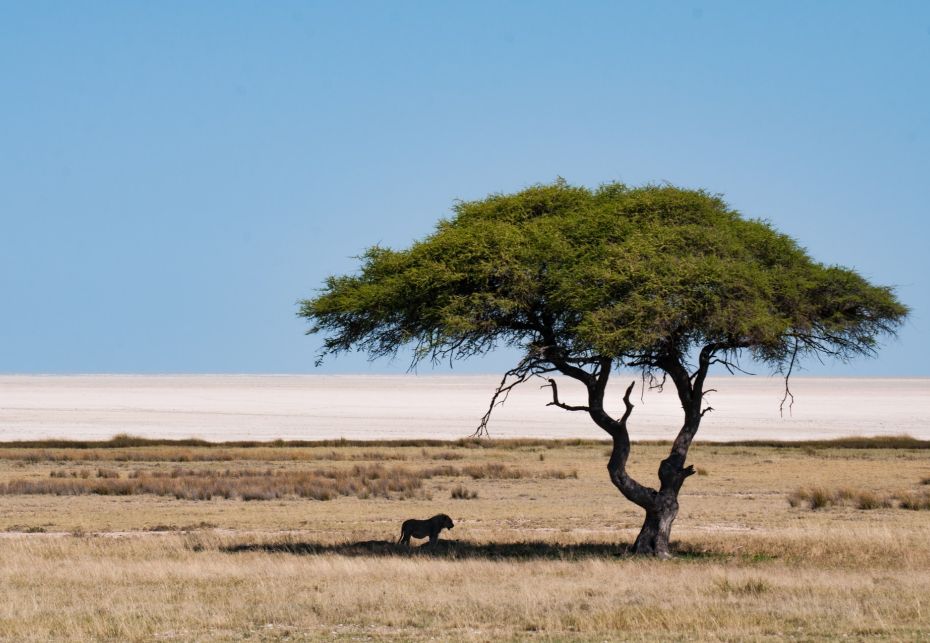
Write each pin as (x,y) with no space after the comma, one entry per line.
(620,272)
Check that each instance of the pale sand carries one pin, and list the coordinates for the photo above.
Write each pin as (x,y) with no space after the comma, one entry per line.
(266,407)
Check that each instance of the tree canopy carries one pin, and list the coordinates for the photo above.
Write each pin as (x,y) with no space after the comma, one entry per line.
(623,272)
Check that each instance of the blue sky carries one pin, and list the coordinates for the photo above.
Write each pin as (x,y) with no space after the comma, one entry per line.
(174,176)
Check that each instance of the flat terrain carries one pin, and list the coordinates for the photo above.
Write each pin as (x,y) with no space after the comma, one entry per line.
(267,407)
(538,551)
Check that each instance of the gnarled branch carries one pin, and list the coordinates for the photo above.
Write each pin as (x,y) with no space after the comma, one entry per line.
(555,399)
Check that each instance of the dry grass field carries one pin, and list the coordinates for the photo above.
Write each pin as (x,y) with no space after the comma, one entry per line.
(178,541)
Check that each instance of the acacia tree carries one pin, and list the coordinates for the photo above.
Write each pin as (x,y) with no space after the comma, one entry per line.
(663,280)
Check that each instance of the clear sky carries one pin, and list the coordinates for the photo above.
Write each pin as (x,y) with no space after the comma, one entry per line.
(174,176)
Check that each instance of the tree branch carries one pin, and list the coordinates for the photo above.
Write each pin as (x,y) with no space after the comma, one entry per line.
(672,365)
(555,355)
(555,399)
(732,367)
(788,393)
(616,465)
(627,403)
(521,372)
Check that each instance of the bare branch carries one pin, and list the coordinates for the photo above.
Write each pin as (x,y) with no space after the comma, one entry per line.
(555,399)
(732,367)
(651,383)
(522,372)
(788,394)
(656,384)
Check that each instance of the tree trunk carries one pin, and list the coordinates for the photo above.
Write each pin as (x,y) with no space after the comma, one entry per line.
(662,509)
(654,535)
(661,505)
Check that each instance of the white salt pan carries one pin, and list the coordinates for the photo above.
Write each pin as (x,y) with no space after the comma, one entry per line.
(247,407)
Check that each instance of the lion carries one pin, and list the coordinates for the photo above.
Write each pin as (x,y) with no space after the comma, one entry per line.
(424,528)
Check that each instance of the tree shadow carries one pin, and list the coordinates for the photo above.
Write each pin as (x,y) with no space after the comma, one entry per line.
(455,550)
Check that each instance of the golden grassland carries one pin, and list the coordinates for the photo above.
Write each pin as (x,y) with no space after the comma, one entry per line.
(538,552)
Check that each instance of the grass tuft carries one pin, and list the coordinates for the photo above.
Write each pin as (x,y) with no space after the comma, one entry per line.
(462,493)
(867,500)
(914,501)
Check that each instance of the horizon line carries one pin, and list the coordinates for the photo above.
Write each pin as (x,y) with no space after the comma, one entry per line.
(404,375)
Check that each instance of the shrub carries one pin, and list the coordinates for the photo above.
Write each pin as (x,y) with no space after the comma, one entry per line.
(461,493)
(819,498)
(868,500)
(914,501)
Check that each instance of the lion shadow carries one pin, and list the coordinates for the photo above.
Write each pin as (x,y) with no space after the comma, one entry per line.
(455,550)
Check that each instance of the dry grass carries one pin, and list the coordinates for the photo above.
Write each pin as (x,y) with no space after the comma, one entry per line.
(537,553)
(914,501)
(128,448)
(819,498)
(196,587)
(856,442)
(361,481)
(244,484)
(463,493)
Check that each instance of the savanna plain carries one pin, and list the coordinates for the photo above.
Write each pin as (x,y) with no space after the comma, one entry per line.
(134,539)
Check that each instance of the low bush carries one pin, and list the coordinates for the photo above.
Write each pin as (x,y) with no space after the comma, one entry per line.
(914,501)
(462,493)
